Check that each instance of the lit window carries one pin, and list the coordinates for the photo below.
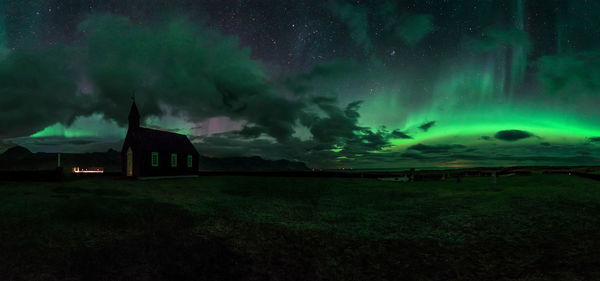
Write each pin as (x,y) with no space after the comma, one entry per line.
(189,161)
(173,160)
(154,159)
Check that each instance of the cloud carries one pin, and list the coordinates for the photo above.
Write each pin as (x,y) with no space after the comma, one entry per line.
(250,132)
(400,135)
(435,148)
(594,139)
(70,145)
(545,144)
(193,70)
(335,133)
(426,126)
(177,68)
(555,160)
(339,124)
(36,90)
(340,130)
(512,135)
(413,155)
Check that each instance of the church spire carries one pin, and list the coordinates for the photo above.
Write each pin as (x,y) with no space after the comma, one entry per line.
(134,116)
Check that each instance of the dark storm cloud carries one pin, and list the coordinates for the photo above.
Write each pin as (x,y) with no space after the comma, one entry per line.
(413,155)
(400,135)
(36,90)
(553,160)
(338,125)
(190,68)
(486,138)
(512,135)
(337,130)
(250,132)
(594,139)
(340,130)
(471,157)
(581,160)
(80,141)
(194,70)
(426,126)
(545,144)
(564,156)
(436,148)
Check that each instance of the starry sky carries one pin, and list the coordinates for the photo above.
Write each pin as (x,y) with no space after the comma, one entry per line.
(338,83)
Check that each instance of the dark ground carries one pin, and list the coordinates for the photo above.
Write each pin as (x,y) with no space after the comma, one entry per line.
(538,227)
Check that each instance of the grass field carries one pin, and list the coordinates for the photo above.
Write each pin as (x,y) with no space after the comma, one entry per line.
(256,228)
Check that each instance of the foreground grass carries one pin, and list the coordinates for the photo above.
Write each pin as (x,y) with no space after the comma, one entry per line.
(252,228)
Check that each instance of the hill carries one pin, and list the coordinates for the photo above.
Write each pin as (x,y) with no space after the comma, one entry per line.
(17,152)
(21,159)
(254,163)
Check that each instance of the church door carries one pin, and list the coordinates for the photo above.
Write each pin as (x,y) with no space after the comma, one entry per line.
(129,162)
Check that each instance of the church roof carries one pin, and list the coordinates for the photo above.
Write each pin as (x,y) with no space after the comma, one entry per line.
(161,141)
(133,112)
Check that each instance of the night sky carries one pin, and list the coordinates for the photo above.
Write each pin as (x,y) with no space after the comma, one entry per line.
(353,84)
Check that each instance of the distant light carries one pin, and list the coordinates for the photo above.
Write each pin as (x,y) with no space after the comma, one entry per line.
(94,170)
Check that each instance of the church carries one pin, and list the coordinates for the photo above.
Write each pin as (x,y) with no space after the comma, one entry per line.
(149,153)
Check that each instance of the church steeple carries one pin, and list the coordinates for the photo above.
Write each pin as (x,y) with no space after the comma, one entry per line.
(134,116)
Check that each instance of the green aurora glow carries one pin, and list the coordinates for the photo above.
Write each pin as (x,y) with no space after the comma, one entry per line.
(497,78)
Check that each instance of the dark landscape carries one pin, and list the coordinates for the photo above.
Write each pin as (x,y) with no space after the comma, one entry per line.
(299,140)
(527,223)
(21,159)
(537,227)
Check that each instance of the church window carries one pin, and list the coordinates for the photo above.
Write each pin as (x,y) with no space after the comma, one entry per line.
(154,159)
(173,160)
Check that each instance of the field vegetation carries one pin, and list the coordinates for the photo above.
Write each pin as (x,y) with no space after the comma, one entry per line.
(539,227)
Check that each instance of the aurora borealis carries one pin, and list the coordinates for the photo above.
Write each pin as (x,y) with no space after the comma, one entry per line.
(361,84)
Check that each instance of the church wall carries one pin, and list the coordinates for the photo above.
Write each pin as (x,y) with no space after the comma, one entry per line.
(164,165)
